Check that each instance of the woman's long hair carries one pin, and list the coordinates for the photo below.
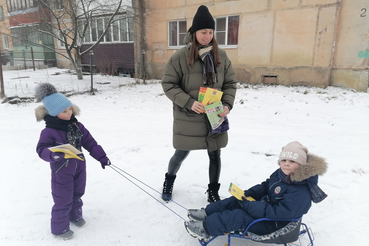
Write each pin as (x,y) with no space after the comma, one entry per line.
(194,51)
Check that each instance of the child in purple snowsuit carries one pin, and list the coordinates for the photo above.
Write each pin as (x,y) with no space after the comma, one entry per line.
(68,176)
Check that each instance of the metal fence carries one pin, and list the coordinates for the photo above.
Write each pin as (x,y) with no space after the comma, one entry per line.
(29,59)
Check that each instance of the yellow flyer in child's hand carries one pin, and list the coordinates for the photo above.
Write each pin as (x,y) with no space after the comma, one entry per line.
(238,193)
(69,150)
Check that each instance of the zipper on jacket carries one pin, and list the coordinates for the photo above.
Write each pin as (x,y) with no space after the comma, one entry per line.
(75,169)
(64,164)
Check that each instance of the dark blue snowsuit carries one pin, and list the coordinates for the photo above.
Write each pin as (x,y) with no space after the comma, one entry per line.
(275,199)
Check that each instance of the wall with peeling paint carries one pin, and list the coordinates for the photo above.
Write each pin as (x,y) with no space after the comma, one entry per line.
(4,30)
(350,66)
(289,42)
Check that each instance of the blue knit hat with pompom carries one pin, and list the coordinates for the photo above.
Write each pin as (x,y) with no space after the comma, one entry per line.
(54,102)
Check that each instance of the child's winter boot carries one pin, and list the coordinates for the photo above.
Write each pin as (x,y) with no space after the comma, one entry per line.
(196,214)
(79,223)
(66,235)
(197,230)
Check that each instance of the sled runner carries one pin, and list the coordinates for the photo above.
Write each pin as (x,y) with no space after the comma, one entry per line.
(288,234)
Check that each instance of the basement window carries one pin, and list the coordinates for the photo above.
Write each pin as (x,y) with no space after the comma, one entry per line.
(269,79)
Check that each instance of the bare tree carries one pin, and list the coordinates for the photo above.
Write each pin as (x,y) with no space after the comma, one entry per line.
(69,21)
(2,90)
(144,11)
(139,7)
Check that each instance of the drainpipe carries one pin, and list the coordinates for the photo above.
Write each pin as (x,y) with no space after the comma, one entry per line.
(333,51)
(143,66)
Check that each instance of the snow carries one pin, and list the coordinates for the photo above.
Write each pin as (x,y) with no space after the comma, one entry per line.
(133,123)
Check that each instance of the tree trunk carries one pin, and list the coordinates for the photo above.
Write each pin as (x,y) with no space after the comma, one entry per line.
(2,92)
(77,64)
(140,38)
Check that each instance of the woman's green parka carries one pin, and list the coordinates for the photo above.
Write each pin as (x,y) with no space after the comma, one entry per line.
(181,85)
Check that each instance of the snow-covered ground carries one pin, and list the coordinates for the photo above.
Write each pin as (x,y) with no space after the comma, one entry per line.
(133,122)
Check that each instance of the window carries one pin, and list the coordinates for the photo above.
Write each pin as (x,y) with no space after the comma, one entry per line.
(120,30)
(100,27)
(126,29)
(14,5)
(93,30)
(1,13)
(130,29)
(108,32)
(123,29)
(59,4)
(61,36)
(88,32)
(226,30)
(5,41)
(177,32)
(25,35)
(115,27)
(18,36)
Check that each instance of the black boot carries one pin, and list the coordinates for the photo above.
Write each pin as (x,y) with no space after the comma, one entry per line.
(212,191)
(166,195)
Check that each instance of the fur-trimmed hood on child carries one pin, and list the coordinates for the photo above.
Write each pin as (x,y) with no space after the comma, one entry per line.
(315,165)
(309,172)
(41,112)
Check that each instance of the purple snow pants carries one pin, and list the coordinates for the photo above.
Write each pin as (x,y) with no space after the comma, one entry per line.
(68,185)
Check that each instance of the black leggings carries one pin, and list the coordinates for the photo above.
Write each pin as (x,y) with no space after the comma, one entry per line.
(214,164)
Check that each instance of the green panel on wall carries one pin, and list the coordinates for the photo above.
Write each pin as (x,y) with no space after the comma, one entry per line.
(364,54)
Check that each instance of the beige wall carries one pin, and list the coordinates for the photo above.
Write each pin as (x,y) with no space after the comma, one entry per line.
(4,26)
(308,42)
(351,60)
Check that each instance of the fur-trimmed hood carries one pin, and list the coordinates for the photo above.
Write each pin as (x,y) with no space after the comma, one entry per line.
(41,112)
(315,165)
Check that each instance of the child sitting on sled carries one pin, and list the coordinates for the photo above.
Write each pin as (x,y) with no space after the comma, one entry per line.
(68,176)
(286,194)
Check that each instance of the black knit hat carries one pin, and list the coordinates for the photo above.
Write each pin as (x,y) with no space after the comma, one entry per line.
(202,20)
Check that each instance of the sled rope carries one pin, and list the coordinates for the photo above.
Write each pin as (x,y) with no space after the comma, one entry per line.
(124,173)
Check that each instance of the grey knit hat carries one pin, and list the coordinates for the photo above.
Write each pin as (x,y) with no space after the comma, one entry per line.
(294,151)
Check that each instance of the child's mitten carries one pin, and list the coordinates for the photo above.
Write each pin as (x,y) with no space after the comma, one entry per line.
(106,163)
(56,156)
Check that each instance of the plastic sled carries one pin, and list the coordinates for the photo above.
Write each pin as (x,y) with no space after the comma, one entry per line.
(287,234)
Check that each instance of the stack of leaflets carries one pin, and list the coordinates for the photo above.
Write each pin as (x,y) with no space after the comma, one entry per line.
(213,111)
(209,95)
(211,98)
(69,150)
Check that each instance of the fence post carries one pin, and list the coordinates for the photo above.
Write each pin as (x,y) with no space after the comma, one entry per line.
(143,67)
(91,71)
(11,58)
(33,59)
(24,59)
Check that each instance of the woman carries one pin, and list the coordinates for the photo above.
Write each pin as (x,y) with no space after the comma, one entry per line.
(200,64)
